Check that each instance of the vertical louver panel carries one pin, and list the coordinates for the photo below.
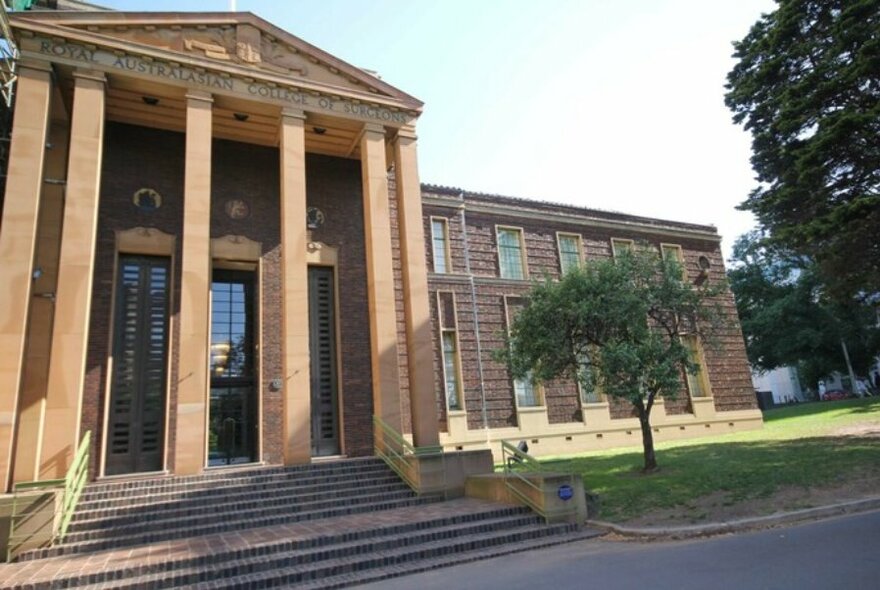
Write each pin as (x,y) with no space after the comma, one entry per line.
(322,344)
(137,396)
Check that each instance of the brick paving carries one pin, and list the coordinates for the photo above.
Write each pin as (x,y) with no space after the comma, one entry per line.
(166,555)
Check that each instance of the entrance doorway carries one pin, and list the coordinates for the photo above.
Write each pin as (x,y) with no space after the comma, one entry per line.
(322,352)
(233,412)
(136,415)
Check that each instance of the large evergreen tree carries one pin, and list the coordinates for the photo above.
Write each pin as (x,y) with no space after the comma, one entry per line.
(807,87)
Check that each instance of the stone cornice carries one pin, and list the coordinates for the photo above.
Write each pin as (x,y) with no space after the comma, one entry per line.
(519,211)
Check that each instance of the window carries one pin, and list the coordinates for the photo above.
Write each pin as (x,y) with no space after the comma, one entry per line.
(698,385)
(569,251)
(510,253)
(440,241)
(590,394)
(673,252)
(449,346)
(526,392)
(619,246)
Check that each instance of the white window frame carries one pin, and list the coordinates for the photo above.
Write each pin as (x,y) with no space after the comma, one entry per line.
(560,235)
(538,389)
(446,250)
(459,379)
(522,249)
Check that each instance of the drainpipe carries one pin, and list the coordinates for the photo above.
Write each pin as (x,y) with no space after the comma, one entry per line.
(467,267)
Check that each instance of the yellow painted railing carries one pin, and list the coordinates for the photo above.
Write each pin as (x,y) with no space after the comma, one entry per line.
(522,471)
(402,457)
(58,518)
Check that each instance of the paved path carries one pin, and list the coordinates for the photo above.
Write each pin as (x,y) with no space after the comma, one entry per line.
(841,552)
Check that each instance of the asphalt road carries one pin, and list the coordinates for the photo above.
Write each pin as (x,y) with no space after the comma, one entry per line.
(840,553)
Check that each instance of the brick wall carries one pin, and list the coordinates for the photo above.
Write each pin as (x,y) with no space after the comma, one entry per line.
(137,157)
(726,362)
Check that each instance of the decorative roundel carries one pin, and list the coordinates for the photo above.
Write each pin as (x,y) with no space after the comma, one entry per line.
(237,209)
(314,218)
(704,263)
(147,199)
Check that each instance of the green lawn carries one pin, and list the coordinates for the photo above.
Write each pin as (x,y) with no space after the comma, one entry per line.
(798,448)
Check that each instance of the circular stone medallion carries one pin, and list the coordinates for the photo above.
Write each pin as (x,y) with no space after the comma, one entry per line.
(146,199)
(237,209)
(314,218)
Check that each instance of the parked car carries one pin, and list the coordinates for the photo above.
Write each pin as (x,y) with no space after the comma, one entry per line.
(836,394)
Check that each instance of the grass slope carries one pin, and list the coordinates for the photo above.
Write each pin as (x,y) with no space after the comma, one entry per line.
(801,447)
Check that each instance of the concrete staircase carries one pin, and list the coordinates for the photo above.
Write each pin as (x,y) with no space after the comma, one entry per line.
(326,525)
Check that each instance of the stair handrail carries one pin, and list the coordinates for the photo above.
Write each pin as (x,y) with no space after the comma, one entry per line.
(518,466)
(70,489)
(74,483)
(395,450)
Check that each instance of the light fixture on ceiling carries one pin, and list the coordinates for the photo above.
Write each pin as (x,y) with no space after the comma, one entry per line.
(319,130)
(241,116)
(150,100)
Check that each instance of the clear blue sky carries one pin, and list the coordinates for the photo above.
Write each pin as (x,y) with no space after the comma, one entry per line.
(612,105)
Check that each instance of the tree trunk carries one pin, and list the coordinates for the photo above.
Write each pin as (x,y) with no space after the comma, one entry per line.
(647,441)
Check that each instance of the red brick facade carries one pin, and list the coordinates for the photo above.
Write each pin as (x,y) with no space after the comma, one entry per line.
(137,157)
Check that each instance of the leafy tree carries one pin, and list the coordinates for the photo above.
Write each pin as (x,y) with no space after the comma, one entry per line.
(788,320)
(807,87)
(626,317)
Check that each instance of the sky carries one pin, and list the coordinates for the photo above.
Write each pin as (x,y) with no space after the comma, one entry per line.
(615,105)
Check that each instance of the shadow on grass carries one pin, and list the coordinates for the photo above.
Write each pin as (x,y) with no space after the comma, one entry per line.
(735,471)
(849,406)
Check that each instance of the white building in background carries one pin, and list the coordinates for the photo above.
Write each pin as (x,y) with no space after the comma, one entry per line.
(782,382)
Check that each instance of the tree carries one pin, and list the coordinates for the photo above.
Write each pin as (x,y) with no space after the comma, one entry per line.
(807,87)
(621,325)
(787,319)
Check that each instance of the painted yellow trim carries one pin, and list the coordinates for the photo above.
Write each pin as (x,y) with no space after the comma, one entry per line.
(459,377)
(621,241)
(524,258)
(448,251)
(580,247)
(666,247)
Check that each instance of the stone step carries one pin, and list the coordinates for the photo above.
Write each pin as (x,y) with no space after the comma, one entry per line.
(356,578)
(281,499)
(224,524)
(289,569)
(224,564)
(133,487)
(237,487)
(381,559)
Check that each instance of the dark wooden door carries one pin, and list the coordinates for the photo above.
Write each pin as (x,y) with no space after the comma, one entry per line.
(322,351)
(136,421)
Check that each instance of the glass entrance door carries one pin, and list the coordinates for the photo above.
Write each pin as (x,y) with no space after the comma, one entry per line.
(232,422)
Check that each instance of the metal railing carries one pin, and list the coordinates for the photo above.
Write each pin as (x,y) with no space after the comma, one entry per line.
(521,470)
(403,458)
(70,489)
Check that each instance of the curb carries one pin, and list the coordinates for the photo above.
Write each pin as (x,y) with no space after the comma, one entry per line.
(739,525)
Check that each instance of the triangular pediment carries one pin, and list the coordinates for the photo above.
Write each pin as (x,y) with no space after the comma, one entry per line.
(239,39)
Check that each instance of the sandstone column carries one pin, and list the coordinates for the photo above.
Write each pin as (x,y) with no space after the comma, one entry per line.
(380,277)
(192,386)
(73,299)
(295,327)
(420,348)
(18,236)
